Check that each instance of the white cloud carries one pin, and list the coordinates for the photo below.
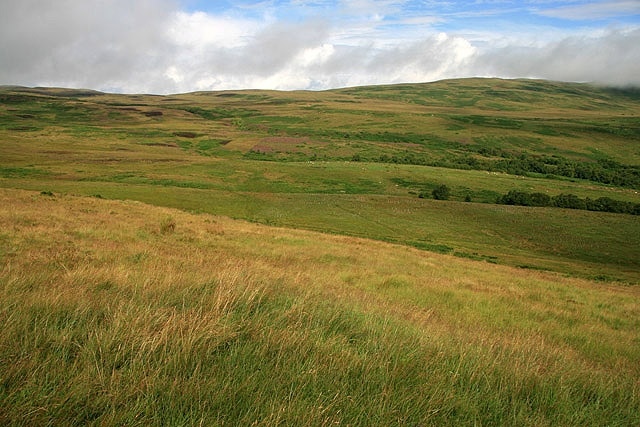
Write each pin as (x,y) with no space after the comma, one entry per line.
(593,10)
(610,57)
(315,56)
(174,74)
(198,30)
(371,7)
(153,46)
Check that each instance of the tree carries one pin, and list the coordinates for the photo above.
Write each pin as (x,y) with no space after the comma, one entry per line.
(540,199)
(441,192)
(570,201)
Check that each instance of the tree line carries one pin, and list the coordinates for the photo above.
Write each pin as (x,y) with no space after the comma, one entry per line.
(603,171)
(569,201)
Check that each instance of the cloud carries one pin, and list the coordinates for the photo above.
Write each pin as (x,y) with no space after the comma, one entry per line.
(313,64)
(612,57)
(262,55)
(154,46)
(199,29)
(93,44)
(593,10)
(371,7)
(435,57)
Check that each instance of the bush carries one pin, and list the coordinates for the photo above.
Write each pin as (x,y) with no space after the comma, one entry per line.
(570,201)
(515,197)
(540,199)
(441,192)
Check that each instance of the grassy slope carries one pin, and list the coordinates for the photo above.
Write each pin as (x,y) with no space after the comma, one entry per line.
(194,152)
(112,316)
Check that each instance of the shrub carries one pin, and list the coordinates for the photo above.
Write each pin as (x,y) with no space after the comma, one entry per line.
(441,192)
(515,197)
(540,199)
(570,201)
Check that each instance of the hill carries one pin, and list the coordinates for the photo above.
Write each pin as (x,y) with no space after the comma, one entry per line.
(121,313)
(357,256)
(361,162)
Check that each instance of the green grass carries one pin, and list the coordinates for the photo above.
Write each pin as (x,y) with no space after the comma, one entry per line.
(335,295)
(332,161)
(580,243)
(109,319)
(19,172)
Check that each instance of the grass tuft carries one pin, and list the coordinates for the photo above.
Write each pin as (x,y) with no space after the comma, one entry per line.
(168,225)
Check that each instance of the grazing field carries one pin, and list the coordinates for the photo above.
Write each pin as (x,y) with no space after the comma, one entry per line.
(121,313)
(355,256)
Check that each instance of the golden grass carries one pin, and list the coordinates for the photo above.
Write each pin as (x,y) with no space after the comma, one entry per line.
(122,243)
(94,261)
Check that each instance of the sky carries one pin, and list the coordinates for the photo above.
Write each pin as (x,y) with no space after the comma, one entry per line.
(177,46)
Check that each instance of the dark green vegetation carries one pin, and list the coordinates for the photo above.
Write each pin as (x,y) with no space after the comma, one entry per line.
(354,161)
(568,201)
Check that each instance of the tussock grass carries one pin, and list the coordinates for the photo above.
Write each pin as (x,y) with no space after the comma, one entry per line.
(109,321)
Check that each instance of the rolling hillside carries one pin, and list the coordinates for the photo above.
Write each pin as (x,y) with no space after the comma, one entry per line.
(360,256)
(121,313)
(357,162)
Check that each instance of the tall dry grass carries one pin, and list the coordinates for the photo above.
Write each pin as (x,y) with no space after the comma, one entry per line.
(111,319)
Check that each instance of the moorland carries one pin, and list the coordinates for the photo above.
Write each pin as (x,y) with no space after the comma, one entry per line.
(457,252)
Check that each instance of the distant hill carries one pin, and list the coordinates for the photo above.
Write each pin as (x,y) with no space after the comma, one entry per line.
(50,91)
(361,161)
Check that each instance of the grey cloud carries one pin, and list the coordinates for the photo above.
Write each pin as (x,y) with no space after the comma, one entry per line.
(613,58)
(277,45)
(119,45)
(91,44)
